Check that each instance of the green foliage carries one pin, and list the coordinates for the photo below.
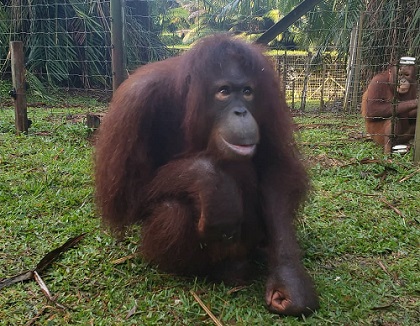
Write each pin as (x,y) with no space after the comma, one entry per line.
(247,17)
(68,43)
(359,231)
(60,38)
(175,20)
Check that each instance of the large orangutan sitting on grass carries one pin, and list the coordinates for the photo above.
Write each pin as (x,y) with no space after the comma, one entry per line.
(199,150)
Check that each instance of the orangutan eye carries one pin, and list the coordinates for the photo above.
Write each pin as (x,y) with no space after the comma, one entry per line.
(223,93)
(224,90)
(248,93)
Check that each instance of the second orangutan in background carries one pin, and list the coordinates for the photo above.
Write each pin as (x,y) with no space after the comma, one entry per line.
(392,93)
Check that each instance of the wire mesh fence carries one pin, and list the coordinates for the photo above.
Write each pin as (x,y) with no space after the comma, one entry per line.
(326,58)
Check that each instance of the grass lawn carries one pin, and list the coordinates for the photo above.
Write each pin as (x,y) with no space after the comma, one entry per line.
(360,232)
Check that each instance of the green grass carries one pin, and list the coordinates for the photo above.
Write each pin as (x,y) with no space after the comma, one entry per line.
(363,255)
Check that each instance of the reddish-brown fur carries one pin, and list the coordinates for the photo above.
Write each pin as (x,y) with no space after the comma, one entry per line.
(378,108)
(154,166)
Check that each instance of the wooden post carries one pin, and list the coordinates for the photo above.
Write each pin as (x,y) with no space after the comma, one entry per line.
(323,76)
(357,66)
(305,82)
(285,68)
(348,94)
(117,46)
(417,135)
(19,85)
(293,93)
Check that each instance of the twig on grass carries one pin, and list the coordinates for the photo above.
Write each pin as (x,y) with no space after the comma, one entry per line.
(28,275)
(54,254)
(409,176)
(207,310)
(396,210)
(123,259)
(382,266)
(386,306)
(237,289)
(44,263)
(131,312)
(355,193)
(33,320)
(47,292)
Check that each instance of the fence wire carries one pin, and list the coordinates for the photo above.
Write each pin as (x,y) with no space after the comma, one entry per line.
(68,42)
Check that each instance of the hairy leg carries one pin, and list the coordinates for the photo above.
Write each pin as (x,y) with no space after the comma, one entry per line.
(399,133)
(170,239)
(195,220)
(404,131)
(379,130)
